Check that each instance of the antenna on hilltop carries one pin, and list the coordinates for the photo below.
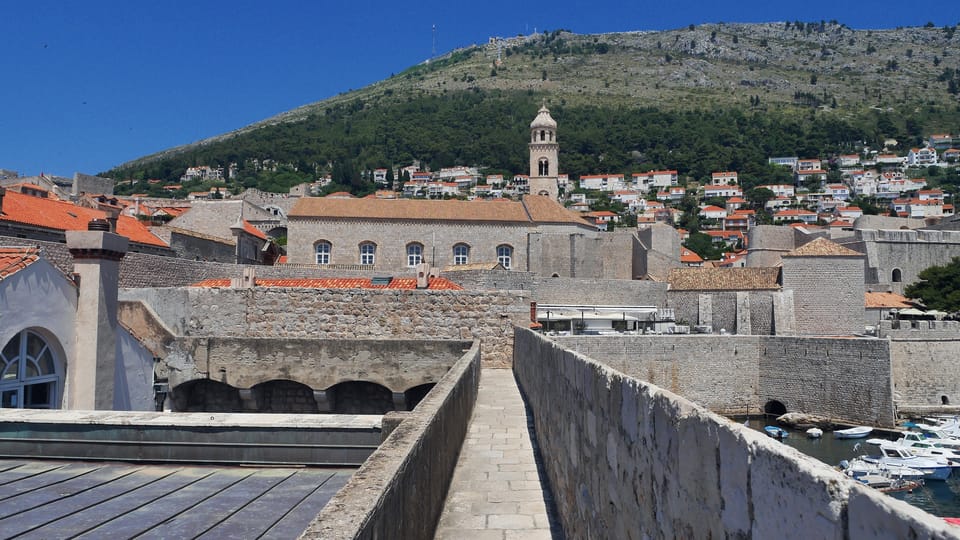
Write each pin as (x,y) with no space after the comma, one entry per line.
(433,51)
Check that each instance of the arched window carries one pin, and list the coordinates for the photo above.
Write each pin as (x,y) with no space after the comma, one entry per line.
(543,135)
(30,378)
(544,167)
(505,256)
(368,253)
(897,276)
(323,252)
(414,254)
(461,254)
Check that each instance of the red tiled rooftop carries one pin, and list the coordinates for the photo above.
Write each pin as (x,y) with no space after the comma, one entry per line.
(65,216)
(14,259)
(406,283)
(250,229)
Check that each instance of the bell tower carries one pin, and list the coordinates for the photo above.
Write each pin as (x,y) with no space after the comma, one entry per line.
(544,149)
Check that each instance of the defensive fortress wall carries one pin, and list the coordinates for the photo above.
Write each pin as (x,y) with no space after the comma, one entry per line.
(628,459)
(925,372)
(845,379)
(400,490)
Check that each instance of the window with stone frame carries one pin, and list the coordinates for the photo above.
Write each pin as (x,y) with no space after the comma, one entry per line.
(323,252)
(29,374)
(505,256)
(414,254)
(368,253)
(461,254)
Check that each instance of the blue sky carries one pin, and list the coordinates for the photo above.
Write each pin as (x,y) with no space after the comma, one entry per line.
(90,84)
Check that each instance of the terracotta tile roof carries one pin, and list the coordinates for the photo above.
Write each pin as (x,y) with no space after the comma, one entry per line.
(250,229)
(65,216)
(886,300)
(723,279)
(821,247)
(406,283)
(534,208)
(14,259)
(688,256)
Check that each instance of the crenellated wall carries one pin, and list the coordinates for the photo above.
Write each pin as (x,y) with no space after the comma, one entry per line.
(628,459)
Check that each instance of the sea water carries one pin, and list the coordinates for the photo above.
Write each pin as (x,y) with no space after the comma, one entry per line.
(938,498)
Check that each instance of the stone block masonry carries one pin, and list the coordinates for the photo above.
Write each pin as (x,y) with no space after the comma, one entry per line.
(926,372)
(358,314)
(845,379)
(400,490)
(630,460)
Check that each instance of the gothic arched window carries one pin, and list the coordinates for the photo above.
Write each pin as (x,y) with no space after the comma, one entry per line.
(30,378)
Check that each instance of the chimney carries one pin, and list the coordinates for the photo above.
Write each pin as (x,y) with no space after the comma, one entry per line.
(112,217)
(533,312)
(2,193)
(96,263)
(246,280)
(423,276)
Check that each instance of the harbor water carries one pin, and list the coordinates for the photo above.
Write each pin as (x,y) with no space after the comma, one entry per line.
(938,498)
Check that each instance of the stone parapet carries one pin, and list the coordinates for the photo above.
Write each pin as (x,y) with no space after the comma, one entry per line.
(399,492)
(628,459)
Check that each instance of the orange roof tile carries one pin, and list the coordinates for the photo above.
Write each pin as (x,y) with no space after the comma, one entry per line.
(886,300)
(65,216)
(14,259)
(250,229)
(407,283)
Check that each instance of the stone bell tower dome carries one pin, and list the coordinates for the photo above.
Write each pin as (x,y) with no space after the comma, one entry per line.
(544,149)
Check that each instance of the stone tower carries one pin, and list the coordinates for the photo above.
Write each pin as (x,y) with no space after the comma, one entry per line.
(544,163)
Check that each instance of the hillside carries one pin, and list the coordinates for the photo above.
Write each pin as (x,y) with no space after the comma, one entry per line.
(865,84)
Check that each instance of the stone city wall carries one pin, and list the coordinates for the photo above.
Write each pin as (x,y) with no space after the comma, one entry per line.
(400,491)
(844,379)
(564,290)
(926,372)
(723,310)
(717,372)
(631,460)
(342,314)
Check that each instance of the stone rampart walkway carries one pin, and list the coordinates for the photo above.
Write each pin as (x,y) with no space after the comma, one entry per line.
(496,490)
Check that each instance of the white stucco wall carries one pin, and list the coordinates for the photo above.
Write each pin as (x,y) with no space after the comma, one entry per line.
(41,298)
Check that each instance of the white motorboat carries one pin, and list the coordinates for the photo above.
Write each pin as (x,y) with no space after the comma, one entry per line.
(814,433)
(933,468)
(858,467)
(852,433)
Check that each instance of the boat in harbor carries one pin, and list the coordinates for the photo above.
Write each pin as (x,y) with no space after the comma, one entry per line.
(932,468)
(852,433)
(776,432)
(814,433)
(859,467)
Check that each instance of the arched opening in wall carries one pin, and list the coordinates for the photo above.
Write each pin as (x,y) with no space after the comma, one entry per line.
(555,275)
(205,395)
(944,400)
(774,408)
(416,394)
(360,397)
(896,276)
(283,396)
(277,232)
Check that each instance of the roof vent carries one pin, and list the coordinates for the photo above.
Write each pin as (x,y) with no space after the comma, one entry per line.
(98,225)
(381,281)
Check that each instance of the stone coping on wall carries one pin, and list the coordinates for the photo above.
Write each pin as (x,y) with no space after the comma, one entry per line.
(400,490)
(212,420)
(626,455)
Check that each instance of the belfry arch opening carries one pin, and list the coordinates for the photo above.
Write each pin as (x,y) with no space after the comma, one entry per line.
(774,408)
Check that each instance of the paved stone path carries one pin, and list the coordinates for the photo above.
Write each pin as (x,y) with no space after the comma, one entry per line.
(496,490)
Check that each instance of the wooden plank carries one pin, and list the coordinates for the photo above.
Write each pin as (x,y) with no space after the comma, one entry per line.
(294,522)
